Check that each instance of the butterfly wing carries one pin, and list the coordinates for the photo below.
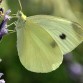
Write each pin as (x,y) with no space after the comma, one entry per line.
(37,50)
(67,34)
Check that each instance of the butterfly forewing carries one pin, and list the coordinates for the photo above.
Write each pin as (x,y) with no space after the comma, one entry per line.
(67,34)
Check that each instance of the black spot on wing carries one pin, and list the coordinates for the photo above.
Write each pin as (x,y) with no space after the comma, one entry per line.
(62,36)
(53,44)
(78,29)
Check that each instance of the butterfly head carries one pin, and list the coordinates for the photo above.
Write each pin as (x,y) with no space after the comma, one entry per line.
(21,20)
(20,15)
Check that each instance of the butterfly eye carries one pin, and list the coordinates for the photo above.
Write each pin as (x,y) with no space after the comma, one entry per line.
(62,36)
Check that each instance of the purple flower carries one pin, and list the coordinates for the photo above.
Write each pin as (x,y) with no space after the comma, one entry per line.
(1,74)
(3,25)
(74,69)
(2,81)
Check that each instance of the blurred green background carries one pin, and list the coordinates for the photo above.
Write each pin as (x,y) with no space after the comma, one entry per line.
(13,70)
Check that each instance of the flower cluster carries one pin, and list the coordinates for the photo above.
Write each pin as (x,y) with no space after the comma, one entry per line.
(3,25)
(3,29)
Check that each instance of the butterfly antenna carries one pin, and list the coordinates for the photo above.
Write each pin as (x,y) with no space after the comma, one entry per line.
(20,4)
